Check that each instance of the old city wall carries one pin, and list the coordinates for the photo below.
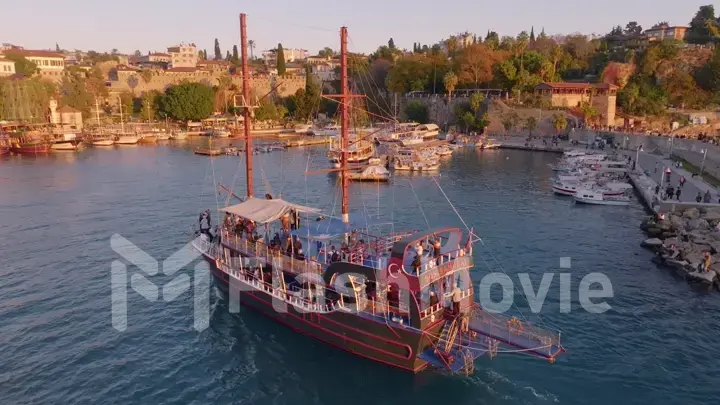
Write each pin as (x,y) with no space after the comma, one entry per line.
(160,81)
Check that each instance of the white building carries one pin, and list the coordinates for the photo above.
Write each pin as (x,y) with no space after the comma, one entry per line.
(50,64)
(183,55)
(291,55)
(7,67)
(325,71)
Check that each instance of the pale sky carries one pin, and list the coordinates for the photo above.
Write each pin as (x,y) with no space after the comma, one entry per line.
(156,24)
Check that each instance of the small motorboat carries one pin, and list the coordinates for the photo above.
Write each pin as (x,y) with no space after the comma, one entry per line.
(208,151)
(220,133)
(303,128)
(149,137)
(597,197)
(163,136)
(371,173)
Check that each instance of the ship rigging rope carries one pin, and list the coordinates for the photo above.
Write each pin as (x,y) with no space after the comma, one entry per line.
(493,257)
(419,203)
(232,186)
(371,78)
(217,203)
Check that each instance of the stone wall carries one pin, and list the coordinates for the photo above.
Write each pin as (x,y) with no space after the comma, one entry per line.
(161,80)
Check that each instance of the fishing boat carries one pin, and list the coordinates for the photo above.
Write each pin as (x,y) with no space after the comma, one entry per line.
(147,137)
(127,139)
(179,136)
(380,297)
(370,173)
(359,151)
(102,140)
(444,150)
(66,142)
(596,197)
(220,133)
(414,160)
(163,136)
(4,145)
(30,145)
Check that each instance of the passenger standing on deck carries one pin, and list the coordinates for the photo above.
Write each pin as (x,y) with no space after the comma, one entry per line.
(436,250)
(293,220)
(285,223)
(456,298)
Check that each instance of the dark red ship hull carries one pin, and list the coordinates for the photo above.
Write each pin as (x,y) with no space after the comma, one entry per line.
(4,150)
(390,344)
(35,149)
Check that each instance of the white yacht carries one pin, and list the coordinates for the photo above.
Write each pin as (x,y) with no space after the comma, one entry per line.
(66,142)
(327,130)
(371,173)
(302,128)
(598,198)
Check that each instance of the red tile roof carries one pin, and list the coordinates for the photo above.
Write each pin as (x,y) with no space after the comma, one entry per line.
(39,54)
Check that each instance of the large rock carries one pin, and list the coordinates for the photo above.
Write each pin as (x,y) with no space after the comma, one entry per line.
(698,224)
(691,213)
(654,231)
(701,276)
(670,241)
(693,258)
(677,222)
(715,247)
(697,235)
(712,216)
(652,243)
(714,235)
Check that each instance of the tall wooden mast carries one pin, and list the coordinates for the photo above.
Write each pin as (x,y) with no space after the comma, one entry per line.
(344,99)
(246,104)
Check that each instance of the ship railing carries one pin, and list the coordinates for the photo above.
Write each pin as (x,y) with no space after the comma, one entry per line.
(511,329)
(435,268)
(275,257)
(247,277)
(445,302)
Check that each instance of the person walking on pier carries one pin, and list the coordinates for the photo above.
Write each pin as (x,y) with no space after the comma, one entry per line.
(698,197)
(677,193)
(656,166)
(682,181)
(707,197)
(657,189)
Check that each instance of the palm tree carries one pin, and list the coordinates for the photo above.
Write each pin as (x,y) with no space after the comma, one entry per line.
(530,124)
(559,121)
(251,45)
(450,81)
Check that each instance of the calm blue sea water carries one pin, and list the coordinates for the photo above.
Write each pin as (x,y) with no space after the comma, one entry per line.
(657,344)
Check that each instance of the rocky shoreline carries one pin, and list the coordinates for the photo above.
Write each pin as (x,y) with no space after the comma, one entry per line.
(680,240)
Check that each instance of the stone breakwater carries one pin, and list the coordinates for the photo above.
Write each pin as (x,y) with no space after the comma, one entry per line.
(681,239)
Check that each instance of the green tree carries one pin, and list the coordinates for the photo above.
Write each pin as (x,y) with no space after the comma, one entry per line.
(280,59)
(509,121)
(531,124)
(150,102)
(468,120)
(188,101)
(391,44)
(708,77)
(146,75)
(132,82)
(700,26)
(326,52)
(22,66)
(418,112)
(137,53)
(588,111)
(492,40)
(205,54)
(74,91)
(559,121)
(218,52)
(235,58)
(127,101)
(476,100)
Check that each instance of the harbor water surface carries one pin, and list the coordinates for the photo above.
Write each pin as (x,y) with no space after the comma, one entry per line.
(657,343)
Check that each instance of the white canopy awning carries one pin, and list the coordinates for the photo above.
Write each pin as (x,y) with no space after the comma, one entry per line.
(263,211)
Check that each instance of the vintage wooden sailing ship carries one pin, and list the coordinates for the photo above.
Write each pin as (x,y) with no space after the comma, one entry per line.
(402,299)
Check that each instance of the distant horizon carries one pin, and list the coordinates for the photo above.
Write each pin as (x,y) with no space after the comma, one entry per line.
(144,27)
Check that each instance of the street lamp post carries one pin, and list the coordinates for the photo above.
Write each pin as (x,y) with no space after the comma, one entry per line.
(702,165)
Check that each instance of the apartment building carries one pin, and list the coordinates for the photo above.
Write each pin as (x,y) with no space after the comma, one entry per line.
(7,67)
(183,55)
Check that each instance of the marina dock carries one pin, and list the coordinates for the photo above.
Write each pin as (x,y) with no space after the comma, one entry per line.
(308,141)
